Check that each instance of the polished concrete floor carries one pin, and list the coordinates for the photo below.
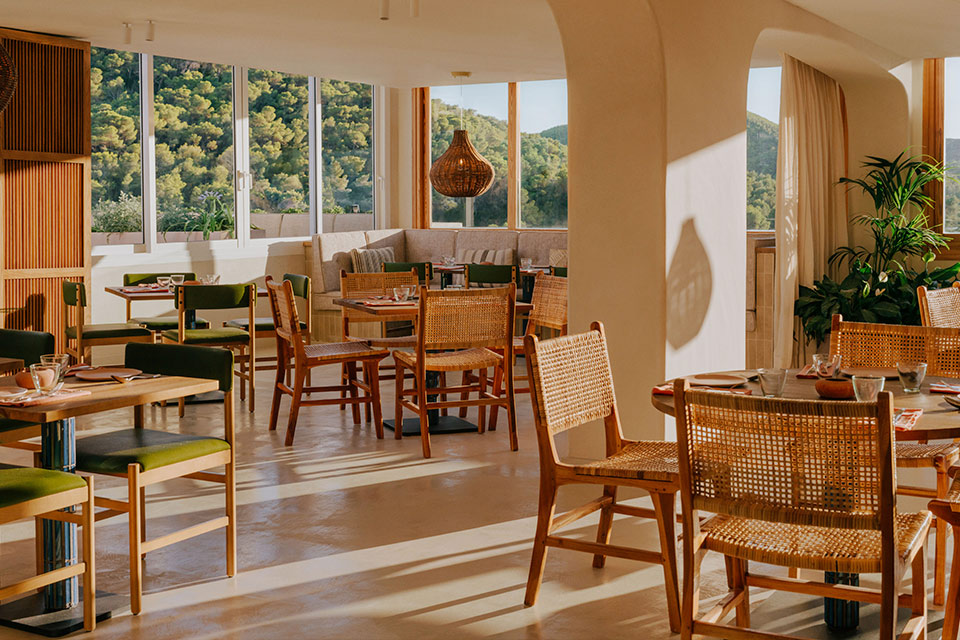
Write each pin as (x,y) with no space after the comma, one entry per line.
(346,536)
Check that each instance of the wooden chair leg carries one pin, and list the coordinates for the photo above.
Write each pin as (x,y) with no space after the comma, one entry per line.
(252,381)
(482,410)
(665,505)
(443,383)
(136,566)
(422,407)
(739,576)
(464,380)
(889,581)
(497,391)
(343,380)
(951,620)
(298,377)
(918,600)
(243,371)
(282,374)
(230,485)
(545,513)
(181,406)
(940,549)
(89,560)
(371,375)
(398,418)
(606,523)
(367,406)
(352,382)
(143,515)
(511,410)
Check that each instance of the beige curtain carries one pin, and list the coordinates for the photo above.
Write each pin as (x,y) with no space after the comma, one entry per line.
(811,207)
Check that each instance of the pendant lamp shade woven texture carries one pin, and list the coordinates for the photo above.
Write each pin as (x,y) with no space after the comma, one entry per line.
(8,78)
(461,172)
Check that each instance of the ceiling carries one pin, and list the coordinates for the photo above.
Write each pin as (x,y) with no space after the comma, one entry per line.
(498,40)
(911,28)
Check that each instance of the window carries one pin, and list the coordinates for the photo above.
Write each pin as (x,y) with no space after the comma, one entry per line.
(279,115)
(763,134)
(543,154)
(485,119)
(951,139)
(193,111)
(347,150)
(115,147)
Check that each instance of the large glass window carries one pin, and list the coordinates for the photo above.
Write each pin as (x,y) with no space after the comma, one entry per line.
(543,154)
(763,135)
(193,110)
(347,149)
(485,119)
(951,152)
(279,113)
(115,147)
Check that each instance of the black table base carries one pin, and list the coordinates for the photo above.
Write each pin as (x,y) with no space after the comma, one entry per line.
(442,424)
(841,615)
(28,614)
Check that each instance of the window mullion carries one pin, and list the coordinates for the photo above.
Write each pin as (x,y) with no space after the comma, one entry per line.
(316,156)
(148,158)
(241,153)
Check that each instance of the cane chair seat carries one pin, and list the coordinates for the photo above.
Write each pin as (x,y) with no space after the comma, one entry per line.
(19,484)
(913,454)
(340,350)
(646,460)
(809,547)
(113,330)
(464,360)
(392,342)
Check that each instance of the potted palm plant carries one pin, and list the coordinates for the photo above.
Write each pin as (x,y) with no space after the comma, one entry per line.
(880,285)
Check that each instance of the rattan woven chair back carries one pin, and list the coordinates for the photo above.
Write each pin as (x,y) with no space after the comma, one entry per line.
(467,318)
(283,306)
(864,344)
(940,307)
(367,285)
(571,379)
(549,303)
(827,464)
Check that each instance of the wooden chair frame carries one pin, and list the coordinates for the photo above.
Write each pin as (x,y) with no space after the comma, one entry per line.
(49,508)
(939,307)
(81,352)
(421,406)
(128,280)
(858,343)
(246,356)
(947,509)
(554,474)
(291,346)
(195,469)
(740,579)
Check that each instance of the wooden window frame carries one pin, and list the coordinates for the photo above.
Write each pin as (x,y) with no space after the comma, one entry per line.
(933,146)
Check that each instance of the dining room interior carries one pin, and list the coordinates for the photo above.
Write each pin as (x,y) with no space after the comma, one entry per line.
(290,343)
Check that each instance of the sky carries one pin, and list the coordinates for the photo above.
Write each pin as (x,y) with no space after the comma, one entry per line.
(951,97)
(543,104)
(763,93)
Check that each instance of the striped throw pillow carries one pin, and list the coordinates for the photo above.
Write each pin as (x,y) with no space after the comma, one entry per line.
(479,256)
(558,257)
(370,260)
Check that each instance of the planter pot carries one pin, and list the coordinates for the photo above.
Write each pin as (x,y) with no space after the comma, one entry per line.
(99,238)
(191,236)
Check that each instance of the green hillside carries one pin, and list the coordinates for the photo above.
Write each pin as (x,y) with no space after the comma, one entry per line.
(558,133)
(762,140)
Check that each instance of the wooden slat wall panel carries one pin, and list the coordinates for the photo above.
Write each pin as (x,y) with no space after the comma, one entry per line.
(43,228)
(44,112)
(35,304)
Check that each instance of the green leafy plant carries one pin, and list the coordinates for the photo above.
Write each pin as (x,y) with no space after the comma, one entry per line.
(118,216)
(212,217)
(880,286)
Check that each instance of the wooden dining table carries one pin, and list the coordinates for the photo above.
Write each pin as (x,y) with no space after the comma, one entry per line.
(410,311)
(132,294)
(10,365)
(55,611)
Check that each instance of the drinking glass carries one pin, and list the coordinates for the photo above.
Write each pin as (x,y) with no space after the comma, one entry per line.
(411,291)
(526,263)
(62,361)
(772,381)
(866,388)
(400,294)
(45,377)
(449,261)
(163,281)
(911,375)
(826,366)
(210,279)
(177,279)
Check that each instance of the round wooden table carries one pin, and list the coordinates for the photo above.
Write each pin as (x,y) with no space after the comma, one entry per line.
(939,421)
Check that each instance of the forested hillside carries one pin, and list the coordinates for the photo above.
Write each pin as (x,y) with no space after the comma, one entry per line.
(762,139)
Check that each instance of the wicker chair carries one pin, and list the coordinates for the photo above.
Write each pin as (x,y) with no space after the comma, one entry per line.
(947,509)
(291,345)
(469,325)
(796,483)
(572,385)
(883,345)
(940,307)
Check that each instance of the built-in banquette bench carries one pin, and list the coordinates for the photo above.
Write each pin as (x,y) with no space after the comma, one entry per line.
(328,253)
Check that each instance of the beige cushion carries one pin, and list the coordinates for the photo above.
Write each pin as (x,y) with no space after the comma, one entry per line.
(558,257)
(331,253)
(536,245)
(394,238)
(486,239)
(370,260)
(429,245)
(480,256)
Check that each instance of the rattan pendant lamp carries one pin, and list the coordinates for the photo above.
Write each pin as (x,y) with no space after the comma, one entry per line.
(461,172)
(8,78)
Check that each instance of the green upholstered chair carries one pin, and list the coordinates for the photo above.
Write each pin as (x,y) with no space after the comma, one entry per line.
(489,275)
(28,346)
(28,493)
(194,297)
(424,269)
(157,324)
(560,272)
(80,337)
(145,457)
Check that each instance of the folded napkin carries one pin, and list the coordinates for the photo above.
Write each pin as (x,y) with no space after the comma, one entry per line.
(943,387)
(906,419)
(667,390)
(807,373)
(59,396)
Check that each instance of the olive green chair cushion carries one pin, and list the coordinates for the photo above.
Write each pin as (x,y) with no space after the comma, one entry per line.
(491,273)
(558,271)
(112,452)
(301,284)
(222,335)
(182,360)
(118,330)
(20,484)
(132,279)
(262,324)
(162,323)
(26,345)
(216,296)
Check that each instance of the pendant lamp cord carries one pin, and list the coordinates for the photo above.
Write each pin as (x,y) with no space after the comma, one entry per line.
(461,103)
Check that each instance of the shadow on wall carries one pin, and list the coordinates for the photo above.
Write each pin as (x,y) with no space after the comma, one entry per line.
(689,287)
(30,316)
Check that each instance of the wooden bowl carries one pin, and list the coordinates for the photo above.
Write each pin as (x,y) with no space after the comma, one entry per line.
(835,389)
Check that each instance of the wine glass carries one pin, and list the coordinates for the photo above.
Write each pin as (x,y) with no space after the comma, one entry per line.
(400,294)
(61,361)
(163,282)
(176,279)
(526,263)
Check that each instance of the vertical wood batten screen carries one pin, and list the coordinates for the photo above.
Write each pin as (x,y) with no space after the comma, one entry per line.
(44,179)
